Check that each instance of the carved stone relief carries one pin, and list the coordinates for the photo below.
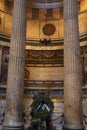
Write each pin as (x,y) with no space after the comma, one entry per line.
(44,56)
(4,66)
(83,52)
(27,73)
(49,13)
(27,110)
(8,6)
(35,13)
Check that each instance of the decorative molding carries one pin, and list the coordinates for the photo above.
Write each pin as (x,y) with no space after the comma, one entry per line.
(5,41)
(44,56)
(83,50)
(42,84)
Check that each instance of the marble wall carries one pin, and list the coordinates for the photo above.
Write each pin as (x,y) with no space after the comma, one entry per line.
(35,26)
(46,73)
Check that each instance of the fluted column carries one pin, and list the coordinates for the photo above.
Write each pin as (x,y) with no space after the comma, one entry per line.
(14,96)
(72,68)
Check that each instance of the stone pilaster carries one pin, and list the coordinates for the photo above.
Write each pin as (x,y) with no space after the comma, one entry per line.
(72,68)
(14,96)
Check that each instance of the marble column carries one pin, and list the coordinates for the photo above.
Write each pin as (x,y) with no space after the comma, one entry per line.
(15,83)
(72,68)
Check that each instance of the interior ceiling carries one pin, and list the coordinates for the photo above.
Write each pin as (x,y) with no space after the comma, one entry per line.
(45,3)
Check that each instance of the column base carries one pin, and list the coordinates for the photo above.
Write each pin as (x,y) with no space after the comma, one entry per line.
(73,127)
(12,128)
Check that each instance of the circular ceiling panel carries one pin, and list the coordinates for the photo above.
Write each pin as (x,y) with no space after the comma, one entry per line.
(49,29)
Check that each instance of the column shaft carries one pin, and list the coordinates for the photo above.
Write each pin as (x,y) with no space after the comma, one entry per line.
(14,96)
(72,68)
